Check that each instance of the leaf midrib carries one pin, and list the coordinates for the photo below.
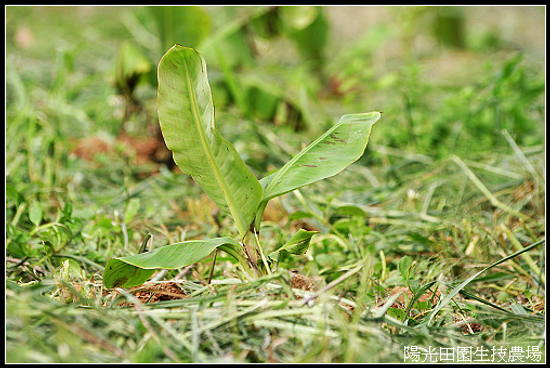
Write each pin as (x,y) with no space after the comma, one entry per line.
(224,187)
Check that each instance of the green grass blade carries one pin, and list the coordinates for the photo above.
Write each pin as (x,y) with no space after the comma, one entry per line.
(417,296)
(457,289)
(186,115)
(494,201)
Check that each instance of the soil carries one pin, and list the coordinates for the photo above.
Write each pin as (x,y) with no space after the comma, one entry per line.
(142,151)
(303,282)
(151,293)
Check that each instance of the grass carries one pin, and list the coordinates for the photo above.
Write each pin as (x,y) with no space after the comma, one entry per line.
(420,242)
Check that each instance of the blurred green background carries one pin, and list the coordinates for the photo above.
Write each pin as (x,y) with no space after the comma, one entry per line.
(448,79)
(461,141)
(81,123)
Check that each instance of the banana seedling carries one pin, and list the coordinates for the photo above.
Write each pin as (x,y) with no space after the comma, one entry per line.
(186,116)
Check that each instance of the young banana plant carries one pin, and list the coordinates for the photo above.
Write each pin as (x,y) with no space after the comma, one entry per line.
(186,116)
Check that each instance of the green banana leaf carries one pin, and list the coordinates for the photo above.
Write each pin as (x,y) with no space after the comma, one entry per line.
(136,269)
(331,153)
(186,116)
(297,245)
(121,274)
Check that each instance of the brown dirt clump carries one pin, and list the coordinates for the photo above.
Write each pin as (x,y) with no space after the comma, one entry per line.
(151,293)
(303,282)
(138,150)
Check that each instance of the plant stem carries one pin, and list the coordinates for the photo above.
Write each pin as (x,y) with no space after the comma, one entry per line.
(243,261)
(266,265)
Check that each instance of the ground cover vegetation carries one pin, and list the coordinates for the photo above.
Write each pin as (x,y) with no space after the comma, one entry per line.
(433,238)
